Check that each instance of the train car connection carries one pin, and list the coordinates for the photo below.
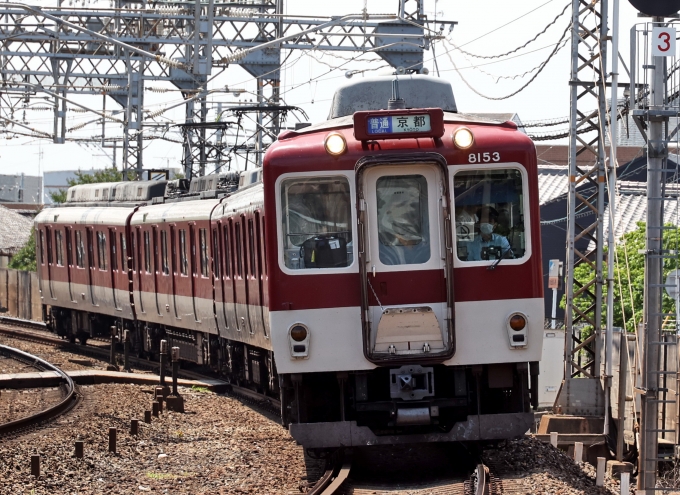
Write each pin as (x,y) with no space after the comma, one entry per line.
(381,273)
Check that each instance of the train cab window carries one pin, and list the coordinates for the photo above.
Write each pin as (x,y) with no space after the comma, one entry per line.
(59,247)
(183,260)
(316,222)
(489,215)
(42,247)
(80,250)
(203,241)
(147,253)
(403,220)
(164,252)
(101,245)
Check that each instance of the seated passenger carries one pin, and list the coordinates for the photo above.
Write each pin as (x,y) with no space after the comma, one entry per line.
(488,245)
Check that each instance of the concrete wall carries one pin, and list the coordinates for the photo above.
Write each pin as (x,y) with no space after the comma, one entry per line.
(20,294)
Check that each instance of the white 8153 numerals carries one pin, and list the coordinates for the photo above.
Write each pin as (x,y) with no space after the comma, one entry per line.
(484,157)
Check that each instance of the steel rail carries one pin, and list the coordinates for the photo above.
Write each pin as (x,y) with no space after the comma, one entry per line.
(483,480)
(334,477)
(48,414)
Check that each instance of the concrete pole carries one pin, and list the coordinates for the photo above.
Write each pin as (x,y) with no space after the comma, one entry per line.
(653,275)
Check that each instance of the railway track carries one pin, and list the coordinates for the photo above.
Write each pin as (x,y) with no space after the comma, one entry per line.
(69,391)
(33,331)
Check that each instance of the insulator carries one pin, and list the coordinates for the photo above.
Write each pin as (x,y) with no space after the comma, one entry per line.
(157,113)
(238,12)
(78,110)
(158,90)
(79,126)
(168,62)
(111,87)
(235,57)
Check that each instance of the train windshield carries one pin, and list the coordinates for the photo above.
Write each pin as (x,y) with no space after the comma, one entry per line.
(317,222)
(489,214)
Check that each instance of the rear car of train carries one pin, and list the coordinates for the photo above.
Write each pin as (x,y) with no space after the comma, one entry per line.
(405,282)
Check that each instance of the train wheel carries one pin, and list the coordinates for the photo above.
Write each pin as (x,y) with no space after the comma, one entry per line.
(82,338)
(71,338)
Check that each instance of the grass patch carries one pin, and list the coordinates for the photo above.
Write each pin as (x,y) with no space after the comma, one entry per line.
(203,390)
(161,476)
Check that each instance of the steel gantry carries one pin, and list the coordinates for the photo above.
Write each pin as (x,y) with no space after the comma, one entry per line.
(114,51)
(582,391)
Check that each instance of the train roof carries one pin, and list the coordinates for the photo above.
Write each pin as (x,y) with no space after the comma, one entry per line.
(373,93)
(199,209)
(91,215)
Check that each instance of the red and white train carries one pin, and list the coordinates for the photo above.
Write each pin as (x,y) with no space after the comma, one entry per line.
(381,273)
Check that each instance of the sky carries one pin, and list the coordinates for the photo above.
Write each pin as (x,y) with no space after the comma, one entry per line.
(487,28)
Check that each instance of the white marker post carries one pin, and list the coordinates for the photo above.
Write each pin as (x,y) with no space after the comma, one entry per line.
(554,283)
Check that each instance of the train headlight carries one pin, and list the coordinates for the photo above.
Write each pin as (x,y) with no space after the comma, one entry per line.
(298,338)
(463,138)
(517,328)
(335,144)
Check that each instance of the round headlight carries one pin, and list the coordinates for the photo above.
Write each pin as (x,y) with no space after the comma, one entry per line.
(463,138)
(518,322)
(335,144)
(298,333)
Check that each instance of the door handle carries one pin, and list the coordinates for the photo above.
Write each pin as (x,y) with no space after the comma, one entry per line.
(373,270)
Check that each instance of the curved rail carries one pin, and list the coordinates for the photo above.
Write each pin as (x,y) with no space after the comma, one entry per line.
(482,480)
(50,413)
(335,475)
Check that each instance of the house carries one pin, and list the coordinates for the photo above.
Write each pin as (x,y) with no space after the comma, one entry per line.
(15,230)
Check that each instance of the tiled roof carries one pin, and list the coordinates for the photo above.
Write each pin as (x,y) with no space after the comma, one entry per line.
(15,229)
(552,182)
(631,207)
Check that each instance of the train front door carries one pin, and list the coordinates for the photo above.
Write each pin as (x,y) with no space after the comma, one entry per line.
(405,261)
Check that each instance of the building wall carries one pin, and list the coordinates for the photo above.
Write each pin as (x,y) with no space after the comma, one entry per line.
(20,189)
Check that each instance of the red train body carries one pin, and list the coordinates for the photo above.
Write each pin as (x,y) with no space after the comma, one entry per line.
(387,288)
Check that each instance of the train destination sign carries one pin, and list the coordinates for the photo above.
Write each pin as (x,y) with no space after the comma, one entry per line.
(399,124)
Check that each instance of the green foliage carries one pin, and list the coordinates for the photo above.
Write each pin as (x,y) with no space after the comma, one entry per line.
(629,277)
(111,174)
(25,258)
(202,390)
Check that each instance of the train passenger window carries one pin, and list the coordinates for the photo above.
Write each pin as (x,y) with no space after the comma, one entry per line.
(164,252)
(239,250)
(147,253)
(227,252)
(251,247)
(316,222)
(183,260)
(59,247)
(264,250)
(133,252)
(114,252)
(123,253)
(203,241)
(49,247)
(42,247)
(216,254)
(403,220)
(489,214)
(80,250)
(101,244)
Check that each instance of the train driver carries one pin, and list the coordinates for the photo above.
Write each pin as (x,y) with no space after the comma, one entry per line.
(488,245)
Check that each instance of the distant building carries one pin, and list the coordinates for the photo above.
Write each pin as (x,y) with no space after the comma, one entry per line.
(15,230)
(20,188)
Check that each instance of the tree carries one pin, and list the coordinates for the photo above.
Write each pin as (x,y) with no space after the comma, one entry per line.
(25,258)
(111,174)
(629,277)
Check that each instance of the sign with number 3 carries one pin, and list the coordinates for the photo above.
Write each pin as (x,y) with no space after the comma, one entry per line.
(663,42)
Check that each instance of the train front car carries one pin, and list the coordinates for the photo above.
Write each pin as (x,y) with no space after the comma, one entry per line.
(405,274)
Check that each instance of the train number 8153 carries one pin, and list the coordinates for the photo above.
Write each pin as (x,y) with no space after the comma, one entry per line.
(484,157)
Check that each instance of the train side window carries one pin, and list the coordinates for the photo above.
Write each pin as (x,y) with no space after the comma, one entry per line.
(164,252)
(42,247)
(49,247)
(80,250)
(90,249)
(69,248)
(101,244)
(123,253)
(251,247)
(133,251)
(264,248)
(203,242)
(227,252)
(58,242)
(316,222)
(490,216)
(216,254)
(147,252)
(183,260)
(239,250)
(114,252)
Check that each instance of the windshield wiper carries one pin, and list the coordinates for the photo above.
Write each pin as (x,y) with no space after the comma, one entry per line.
(495,264)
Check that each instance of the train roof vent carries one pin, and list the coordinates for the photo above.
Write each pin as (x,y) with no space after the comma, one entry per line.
(372,93)
(250,177)
(217,183)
